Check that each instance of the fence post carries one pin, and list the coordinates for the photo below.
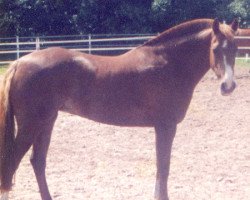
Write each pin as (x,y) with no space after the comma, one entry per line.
(37,43)
(17,48)
(89,39)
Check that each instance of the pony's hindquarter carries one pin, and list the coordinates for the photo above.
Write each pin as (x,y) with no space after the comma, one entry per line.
(7,132)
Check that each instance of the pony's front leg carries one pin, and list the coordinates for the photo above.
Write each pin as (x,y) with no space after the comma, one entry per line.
(5,196)
(165,133)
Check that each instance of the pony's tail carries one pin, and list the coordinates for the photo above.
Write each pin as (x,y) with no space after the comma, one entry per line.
(7,128)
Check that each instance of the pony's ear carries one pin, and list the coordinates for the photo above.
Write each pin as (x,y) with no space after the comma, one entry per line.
(216,26)
(235,25)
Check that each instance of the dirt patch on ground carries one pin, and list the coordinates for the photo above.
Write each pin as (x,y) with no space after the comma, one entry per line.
(210,159)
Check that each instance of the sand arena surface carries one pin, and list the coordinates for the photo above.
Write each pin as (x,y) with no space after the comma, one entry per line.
(210,158)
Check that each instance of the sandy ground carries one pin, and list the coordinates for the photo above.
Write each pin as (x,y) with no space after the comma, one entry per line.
(210,159)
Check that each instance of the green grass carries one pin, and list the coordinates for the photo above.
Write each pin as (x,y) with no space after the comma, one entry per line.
(3,69)
(242,63)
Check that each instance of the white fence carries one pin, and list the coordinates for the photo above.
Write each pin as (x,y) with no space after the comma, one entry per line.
(13,48)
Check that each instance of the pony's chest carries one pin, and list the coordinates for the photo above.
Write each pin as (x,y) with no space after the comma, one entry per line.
(169,103)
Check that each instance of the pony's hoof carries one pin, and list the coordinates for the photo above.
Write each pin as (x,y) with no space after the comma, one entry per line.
(5,196)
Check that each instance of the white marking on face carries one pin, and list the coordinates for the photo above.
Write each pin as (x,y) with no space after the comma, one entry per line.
(225,44)
(229,74)
(5,196)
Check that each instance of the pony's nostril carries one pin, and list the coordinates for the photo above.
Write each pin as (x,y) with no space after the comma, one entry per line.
(223,87)
(234,85)
(225,90)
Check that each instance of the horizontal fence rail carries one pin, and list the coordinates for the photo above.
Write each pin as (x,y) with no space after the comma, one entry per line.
(14,48)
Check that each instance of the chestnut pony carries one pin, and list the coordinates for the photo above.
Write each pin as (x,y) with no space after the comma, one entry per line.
(149,86)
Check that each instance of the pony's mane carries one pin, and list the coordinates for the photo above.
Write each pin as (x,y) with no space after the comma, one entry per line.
(182,30)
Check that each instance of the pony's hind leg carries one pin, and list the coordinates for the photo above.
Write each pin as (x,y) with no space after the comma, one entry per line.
(38,161)
(38,158)
(23,142)
(36,132)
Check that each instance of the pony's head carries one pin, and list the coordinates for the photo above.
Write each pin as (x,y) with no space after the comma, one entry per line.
(223,53)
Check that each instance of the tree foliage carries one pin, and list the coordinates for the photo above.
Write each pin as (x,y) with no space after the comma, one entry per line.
(54,17)
(114,16)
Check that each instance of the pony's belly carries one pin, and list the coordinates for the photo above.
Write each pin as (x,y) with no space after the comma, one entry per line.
(133,118)
(116,116)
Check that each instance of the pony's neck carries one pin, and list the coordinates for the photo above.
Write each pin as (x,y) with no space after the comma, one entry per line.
(188,54)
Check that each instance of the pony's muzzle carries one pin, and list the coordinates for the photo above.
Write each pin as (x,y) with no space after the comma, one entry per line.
(225,90)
